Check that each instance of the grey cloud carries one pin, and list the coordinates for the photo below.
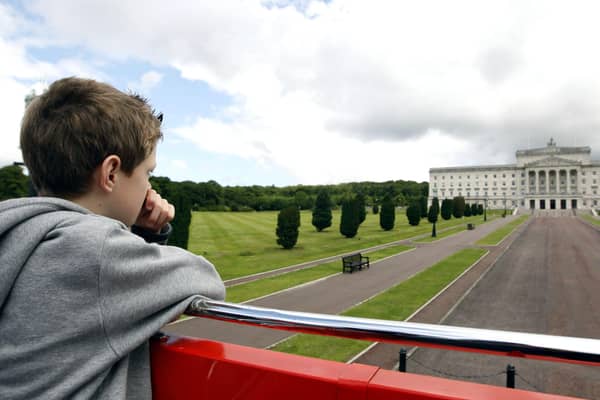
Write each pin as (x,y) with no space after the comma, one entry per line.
(498,64)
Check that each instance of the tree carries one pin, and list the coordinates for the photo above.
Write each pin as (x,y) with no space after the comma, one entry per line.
(468,210)
(480,209)
(458,207)
(321,216)
(361,207)
(387,217)
(349,221)
(13,182)
(434,210)
(446,209)
(423,206)
(288,222)
(413,213)
(474,209)
(432,215)
(375,209)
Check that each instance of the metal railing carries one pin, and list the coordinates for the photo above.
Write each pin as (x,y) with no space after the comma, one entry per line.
(515,344)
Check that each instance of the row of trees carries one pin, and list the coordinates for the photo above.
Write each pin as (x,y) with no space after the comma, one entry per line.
(354,214)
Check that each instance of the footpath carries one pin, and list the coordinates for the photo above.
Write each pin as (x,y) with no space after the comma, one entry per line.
(336,293)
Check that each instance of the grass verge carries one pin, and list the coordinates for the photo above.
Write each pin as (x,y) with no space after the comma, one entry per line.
(263,287)
(591,219)
(499,234)
(397,303)
(440,235)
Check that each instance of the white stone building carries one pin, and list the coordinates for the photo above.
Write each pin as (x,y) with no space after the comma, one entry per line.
(551,177)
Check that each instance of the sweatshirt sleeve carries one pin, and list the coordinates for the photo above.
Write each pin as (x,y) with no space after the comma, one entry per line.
(143,286)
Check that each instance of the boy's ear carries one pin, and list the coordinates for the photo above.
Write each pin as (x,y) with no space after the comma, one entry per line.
(107,173)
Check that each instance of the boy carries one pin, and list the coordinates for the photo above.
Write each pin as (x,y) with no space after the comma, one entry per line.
(80,294)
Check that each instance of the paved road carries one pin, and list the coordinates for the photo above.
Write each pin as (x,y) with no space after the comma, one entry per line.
(547,282)
(337,293)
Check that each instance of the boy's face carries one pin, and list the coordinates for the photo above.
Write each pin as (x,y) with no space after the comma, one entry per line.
(132,190)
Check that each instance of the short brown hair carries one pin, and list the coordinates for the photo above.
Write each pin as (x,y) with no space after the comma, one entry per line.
(71,128)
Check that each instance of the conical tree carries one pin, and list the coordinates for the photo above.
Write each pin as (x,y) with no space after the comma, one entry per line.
(288,221)
(467,210)
(446,209)
(480,209)
(349,219)
(375,209)
(474,209)
(413,213)
(321,216)
(361,207)
(432,215)
(458,207)
(423,206)
(387,216)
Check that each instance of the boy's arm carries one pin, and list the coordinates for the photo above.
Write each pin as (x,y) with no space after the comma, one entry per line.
(143,286)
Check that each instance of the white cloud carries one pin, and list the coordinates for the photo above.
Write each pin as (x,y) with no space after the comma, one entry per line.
(402,86)
(147,82)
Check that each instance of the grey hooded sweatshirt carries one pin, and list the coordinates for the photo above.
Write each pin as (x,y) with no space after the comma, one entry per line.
(80,296)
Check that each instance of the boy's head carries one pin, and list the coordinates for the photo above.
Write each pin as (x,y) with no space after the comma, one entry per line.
(68,132)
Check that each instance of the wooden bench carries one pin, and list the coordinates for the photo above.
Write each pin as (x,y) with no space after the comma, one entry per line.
(470,226)
(353,262)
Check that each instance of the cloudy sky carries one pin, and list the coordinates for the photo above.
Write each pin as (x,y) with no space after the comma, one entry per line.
(309,92)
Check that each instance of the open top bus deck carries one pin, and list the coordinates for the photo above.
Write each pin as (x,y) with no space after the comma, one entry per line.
(187,368)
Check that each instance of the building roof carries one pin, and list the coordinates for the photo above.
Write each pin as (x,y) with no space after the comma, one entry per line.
(552,149)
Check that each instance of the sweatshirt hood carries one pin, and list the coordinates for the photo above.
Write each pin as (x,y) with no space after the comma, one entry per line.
(24,223)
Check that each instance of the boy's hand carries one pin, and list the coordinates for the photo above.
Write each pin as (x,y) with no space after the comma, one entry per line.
(156,212)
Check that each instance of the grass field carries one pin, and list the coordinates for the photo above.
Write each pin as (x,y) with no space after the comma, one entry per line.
(397,303)
(499,234)
(242,244)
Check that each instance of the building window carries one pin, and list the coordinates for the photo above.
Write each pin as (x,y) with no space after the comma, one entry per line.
(504,176)
(485,176)
(522,174)
(494,175)
(513,175)
(451,177)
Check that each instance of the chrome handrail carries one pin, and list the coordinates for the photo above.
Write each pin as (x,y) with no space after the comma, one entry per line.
(515,344)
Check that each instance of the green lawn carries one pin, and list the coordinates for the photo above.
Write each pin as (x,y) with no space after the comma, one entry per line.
(243,243)
(440,235)
(262,287)
(398,303)
(590,218)
(499,234)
